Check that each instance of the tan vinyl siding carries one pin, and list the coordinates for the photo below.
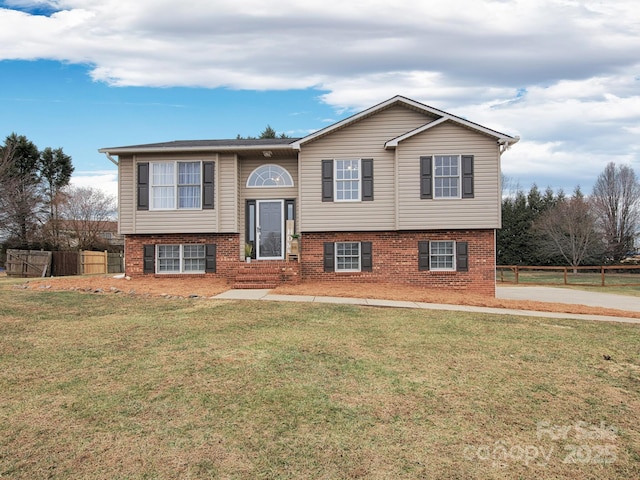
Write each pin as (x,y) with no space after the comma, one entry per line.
(126,195)
(482,211)
(227,192)
(179,220)
(364,139)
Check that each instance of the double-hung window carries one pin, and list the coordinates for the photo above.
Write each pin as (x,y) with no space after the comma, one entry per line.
(446,176)
(176,185)
(189,185)
(347,180)
(442,255)
(180,258)
(347,257)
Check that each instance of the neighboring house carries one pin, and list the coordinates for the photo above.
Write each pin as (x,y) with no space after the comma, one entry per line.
(94,234)
(401,192)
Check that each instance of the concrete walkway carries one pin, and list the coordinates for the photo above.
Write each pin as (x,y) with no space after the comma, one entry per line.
(570,295)
(266,296)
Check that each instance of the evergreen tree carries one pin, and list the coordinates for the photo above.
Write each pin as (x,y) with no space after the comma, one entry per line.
(55,172)
(21,202)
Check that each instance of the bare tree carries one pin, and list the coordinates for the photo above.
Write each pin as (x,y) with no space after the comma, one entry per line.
(569,229)
(616,199)
(85,214)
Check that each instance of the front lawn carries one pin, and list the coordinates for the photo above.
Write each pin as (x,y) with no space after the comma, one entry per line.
(119,386)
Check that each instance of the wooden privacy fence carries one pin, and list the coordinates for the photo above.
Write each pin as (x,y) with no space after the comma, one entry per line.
(28,263)
(599,276)
(65,263)
(35,263)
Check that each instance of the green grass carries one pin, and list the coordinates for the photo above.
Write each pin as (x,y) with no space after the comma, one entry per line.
(108,386)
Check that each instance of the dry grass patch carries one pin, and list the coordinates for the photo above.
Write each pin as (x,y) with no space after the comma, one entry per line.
(108,386)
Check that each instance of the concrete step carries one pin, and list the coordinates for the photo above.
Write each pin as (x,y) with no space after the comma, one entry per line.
(254,286)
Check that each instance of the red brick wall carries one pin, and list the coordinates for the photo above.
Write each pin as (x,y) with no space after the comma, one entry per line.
(227,250)
(395,259)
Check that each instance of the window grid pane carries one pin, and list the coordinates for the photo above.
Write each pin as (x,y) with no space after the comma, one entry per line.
(347,180)
(162,189)
(348,256)
(168,258)
(194,258)
(270,176)
(447,176)
(189,189)
(162,174)
(442,255)
(163,197)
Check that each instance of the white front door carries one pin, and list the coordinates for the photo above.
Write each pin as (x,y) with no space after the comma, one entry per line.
(270,229)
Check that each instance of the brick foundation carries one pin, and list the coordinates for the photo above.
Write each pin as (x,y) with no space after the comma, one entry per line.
(395,259)
(227,252)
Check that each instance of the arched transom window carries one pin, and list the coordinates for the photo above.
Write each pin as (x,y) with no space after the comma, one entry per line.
(269,176)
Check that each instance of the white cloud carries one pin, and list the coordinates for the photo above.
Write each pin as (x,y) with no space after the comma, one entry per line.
(563,74)
(107,181)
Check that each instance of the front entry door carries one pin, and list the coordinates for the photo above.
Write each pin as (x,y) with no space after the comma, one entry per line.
(270,230)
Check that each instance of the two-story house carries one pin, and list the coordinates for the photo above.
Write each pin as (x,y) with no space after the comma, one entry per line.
(401,192)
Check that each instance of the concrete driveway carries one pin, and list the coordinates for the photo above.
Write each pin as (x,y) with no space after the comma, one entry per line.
(569,295)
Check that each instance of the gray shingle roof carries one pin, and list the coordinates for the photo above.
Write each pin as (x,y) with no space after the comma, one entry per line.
(209,144)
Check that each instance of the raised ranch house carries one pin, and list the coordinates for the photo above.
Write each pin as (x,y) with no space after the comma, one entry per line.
(401,192)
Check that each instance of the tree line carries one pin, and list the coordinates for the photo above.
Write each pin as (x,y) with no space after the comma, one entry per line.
(39,209)
(551,228)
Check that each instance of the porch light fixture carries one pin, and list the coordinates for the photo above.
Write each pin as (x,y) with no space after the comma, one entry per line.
(267,153)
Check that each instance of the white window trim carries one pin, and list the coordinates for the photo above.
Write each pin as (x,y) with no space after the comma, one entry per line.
(336,181)
(335,259)
(175,185)
(433,180)
(436,269)
(181,271)
(285,174)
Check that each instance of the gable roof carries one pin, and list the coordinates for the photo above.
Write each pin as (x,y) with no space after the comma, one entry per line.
(439,115)
(289,144)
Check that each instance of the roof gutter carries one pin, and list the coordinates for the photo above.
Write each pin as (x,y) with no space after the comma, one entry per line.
(505,143)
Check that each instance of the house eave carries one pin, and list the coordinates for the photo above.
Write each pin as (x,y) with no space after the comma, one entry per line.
(231,148)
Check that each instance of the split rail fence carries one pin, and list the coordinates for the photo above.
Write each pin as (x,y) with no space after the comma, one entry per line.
(595,276)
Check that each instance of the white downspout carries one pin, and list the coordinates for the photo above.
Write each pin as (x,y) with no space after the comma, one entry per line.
(114,161)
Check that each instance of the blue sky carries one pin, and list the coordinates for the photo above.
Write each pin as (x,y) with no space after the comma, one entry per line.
(86,74)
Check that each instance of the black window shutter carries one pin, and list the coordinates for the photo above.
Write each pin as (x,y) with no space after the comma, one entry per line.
(425,177)
(462,257)
(149,259)
(366,257)
(467,176)
(329,258)
(143,186)
(423,255)
(208,172)
(367,179)
(327,180)
(210,258)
